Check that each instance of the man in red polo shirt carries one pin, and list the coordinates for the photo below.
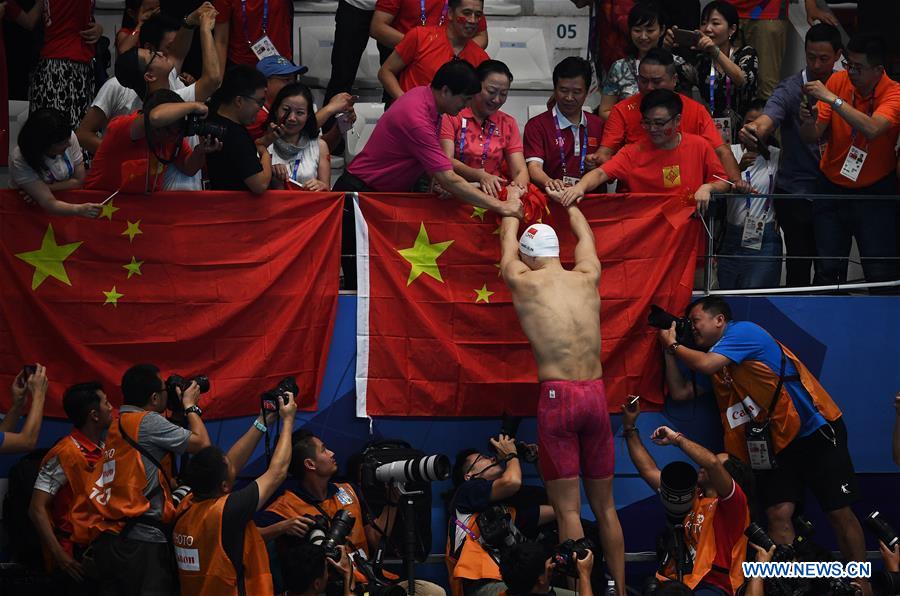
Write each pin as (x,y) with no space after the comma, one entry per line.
(425,49)
(558,141)
(667,161)
(393,19)
(657,71)
(249,30)
(65,476)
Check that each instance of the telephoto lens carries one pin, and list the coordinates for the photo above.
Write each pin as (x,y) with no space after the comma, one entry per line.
(758,536)
(677,485)
(882,530)
(418,469)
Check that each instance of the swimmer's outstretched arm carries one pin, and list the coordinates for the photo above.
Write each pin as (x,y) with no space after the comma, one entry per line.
(511,266)
(586,260)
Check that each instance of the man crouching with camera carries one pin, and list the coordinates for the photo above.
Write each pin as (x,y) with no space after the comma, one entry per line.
(710,537)
(218,549)
(327,512)
(482,521)
(528,568)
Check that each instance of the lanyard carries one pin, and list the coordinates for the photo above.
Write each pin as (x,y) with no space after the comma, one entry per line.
(561,145)
(68,167)
(485,146)
(265,21)
(296,169)
(424,17)
(712,89)
(465,529)
(771,180)
(869,114)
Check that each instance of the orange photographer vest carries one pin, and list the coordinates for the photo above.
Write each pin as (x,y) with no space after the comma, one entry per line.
(734,382)
(78,458)
(116,493)
(470,561)
(203,565)
(700,539)
(289,505)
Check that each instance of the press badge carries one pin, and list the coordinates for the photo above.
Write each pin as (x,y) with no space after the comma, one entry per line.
(760,447)
(752,238)
(343,497)
(263,47)
(723,125)
(856,157)
(571,180)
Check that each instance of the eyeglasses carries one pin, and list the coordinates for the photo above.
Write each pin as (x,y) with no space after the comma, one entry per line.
(476,460)
(153,55)
(259,102)
(649,124)
(852,66)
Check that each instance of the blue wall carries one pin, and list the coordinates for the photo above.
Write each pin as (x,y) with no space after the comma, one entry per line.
(851,343)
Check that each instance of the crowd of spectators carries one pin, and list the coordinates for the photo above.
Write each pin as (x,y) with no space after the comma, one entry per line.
(838,132)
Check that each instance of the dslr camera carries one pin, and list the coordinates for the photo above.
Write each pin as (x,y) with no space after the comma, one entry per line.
(331,533)
(565,557)
(270,399)
(173,402)
(509,428)
(194,124)
(661,319)
(496,528)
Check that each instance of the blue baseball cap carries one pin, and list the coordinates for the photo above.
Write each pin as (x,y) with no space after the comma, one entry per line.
(272,66)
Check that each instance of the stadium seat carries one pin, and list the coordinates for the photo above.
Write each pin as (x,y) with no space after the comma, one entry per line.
(522,49)
(316,42)
(326,6)
(18,114)
(502,8)
(367,115)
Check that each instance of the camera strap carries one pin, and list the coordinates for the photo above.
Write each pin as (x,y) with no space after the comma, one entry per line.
(146,454)
(758,435)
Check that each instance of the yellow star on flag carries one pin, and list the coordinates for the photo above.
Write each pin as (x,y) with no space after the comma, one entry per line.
(108,210)
(133,268)
(48,260)
(478,212)
(132,230)
(112,297)
(423,256)
(484,295)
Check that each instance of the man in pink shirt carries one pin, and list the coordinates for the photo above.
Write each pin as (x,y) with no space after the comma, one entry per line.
(405,146)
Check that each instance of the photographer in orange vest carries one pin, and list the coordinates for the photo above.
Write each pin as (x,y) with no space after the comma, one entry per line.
(714,528)
(130,501)
(218,549)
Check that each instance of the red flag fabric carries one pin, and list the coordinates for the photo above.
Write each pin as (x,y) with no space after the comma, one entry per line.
(437,334)
(241,288)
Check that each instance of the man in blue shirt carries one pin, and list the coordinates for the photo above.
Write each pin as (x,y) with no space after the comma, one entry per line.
(761,384)
(798,173)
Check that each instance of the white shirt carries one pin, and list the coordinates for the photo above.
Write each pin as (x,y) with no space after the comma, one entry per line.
(762,177)
(61,167)
(173,179)
(362,4)
(306,165)
(114,99)
(564,123)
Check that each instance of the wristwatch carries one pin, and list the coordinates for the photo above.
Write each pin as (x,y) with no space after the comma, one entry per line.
(187,25)
(838,102)
(195,409)
(672,347)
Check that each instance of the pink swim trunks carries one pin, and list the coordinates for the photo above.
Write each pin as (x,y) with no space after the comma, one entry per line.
(574,434)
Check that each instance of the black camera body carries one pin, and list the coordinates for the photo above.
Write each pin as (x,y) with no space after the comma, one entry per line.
(330,534)
(28,370)
(173,402)
(661,319)
(496,528)
(509,428)
(270,399)
(563,559)
(194,124)
(882,529)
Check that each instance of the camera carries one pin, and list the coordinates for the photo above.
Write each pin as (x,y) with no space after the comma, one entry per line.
(684,329)
(496,528)
(758,536)
(882,530)
(418,469)
(178,382)
(509,428)
(565,557)
(194,124)
(677,486)
(271,397)
(331,534)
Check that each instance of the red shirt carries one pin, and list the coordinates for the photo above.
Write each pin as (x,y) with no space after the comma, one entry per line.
(761,9)
(541,142)
(258,127)
(408,13)
(682,170)
(728,528)
(425,49)
(504,140)
(125,163)
(63,22)
(624,123)
(278,30)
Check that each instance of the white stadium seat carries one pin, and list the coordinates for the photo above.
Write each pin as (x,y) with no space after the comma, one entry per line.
(367,115)
(522,49)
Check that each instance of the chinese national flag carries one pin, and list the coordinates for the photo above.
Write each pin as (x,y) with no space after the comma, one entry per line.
(241,288)
(437,334)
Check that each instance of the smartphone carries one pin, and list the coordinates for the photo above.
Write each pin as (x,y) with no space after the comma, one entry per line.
(634,400)
(28,370)
(343,122)
(686,38)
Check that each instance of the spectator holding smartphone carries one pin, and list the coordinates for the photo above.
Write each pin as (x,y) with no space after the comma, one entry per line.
(300,159)
(34,383)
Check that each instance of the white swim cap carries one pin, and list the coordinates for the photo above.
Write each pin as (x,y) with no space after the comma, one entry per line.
(539,240)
